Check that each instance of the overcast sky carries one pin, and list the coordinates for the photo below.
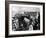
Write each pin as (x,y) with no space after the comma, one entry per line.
(23,9)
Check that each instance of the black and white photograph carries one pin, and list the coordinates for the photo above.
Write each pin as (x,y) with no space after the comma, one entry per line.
(25,18)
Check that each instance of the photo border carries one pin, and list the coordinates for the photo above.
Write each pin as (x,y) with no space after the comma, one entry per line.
(7,18)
